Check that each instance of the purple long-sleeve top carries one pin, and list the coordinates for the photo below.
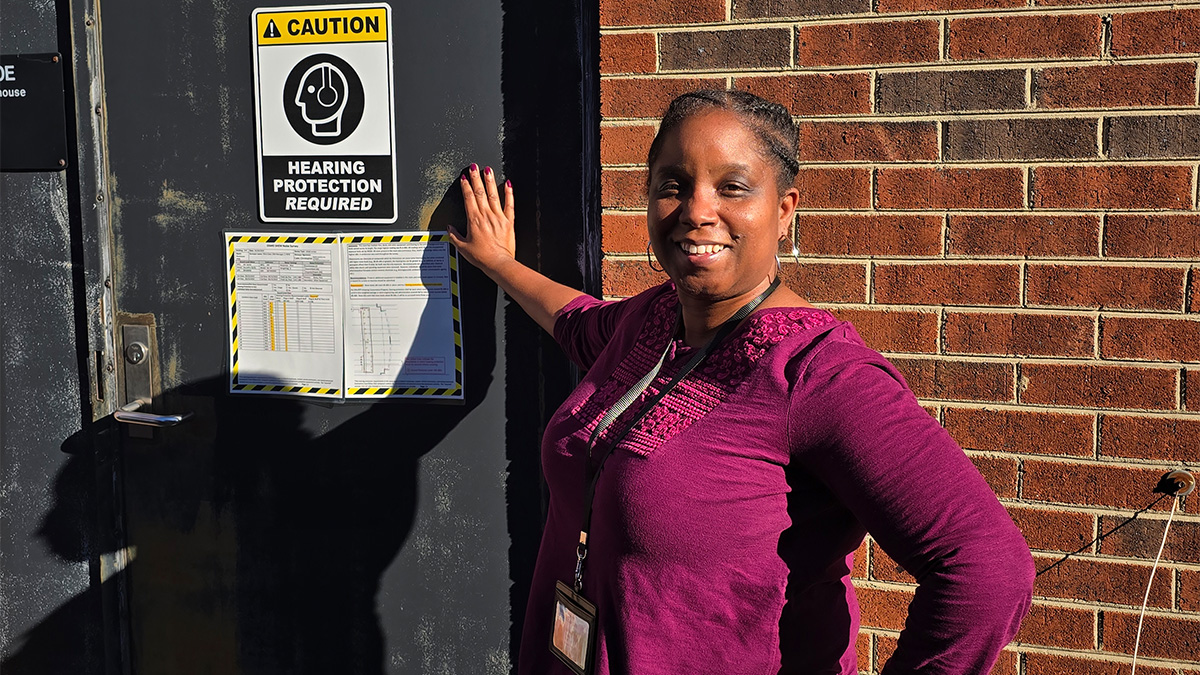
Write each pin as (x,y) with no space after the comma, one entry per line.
(725,524)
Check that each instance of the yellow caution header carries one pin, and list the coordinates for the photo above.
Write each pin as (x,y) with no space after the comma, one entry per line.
(349,24)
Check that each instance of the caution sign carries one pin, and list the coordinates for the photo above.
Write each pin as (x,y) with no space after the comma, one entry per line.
(325,114)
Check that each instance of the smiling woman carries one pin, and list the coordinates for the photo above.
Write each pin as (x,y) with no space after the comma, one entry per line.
(715,471)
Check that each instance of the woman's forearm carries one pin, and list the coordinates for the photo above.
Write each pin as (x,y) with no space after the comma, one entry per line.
(541,297)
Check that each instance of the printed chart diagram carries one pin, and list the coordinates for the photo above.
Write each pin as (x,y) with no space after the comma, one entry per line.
(374,334)
(299,323)
(400,331)
(344,316)
(285,314)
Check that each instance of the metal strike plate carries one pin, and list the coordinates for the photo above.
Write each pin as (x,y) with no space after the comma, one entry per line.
(138,377)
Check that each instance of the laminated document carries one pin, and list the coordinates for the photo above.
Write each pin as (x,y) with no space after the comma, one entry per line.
(344,316)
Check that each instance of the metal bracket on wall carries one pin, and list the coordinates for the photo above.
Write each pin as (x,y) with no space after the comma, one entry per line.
(137,361)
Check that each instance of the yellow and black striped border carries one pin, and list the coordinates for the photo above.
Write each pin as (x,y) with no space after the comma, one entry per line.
(455,392)
(389,238)
(231,240)
(281,389)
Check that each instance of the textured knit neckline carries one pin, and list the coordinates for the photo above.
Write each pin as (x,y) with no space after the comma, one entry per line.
(730,364)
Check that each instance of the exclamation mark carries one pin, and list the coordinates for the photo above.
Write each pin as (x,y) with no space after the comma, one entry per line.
(272,31)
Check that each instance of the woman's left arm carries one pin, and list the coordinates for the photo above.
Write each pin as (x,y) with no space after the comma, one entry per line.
(859,429)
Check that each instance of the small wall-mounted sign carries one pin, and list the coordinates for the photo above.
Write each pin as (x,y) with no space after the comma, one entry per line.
(33,116)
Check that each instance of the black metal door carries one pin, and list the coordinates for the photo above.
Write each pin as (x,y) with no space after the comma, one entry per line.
(277,535)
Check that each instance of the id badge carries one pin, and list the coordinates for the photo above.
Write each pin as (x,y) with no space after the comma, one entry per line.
(573,640)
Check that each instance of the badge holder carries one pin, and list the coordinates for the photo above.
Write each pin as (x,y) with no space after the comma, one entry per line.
(573,640)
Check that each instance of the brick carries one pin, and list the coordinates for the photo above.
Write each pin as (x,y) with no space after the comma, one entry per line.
(887,6)
(1059,664)
(1123,337)
(626,144)
(1126,187)
(1189,591)
(862,648)
(868,141)
(624,278)
(1191,388)
(1175,31)
(726,49)
(623,233)
(1152,236)
(623,189)
(1047,36)
(1116,86)
(827,282)
(1049,626)
(1045,530)
(885,646)
(867,43)
(812,94)
(762,9)
(640,13)
(646,97)
(947,284)
(1154,438)
(627,53)
(1153,136)
(883,568)
(874,234)
(1000,474)
(1020,139)
(1093,386)
(883,609)
(1021,431)
(937,188)
(834,188)
(957,380)
(1006,663)
(894,330)
(1174,638)
(1007,334)
(1097,581)
(1022,235)
(950,91)
(1105,287)
(1093,485)
(1141,539)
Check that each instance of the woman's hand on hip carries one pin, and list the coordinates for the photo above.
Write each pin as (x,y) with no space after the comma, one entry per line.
(490,240)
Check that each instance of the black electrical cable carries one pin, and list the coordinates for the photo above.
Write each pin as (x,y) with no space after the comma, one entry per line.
(1123,523)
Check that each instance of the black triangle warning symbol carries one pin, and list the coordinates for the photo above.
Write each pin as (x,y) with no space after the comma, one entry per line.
(272,31)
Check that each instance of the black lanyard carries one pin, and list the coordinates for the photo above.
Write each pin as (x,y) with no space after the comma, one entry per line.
(630,396)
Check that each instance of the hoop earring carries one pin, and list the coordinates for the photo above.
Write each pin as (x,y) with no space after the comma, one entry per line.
(650,259)
(795,250)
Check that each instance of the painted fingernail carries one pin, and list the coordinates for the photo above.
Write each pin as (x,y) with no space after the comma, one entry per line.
(474,167)
(508,183)
(463,177)
(487,170)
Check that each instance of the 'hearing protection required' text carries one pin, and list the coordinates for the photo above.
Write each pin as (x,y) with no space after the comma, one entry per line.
(325,114)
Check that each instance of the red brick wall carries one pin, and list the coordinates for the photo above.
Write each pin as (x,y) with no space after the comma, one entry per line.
(1001,195)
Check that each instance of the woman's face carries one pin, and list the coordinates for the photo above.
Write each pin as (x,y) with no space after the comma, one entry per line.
(715,212)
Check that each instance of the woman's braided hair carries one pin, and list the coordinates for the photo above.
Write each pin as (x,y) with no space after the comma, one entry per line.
(771,122)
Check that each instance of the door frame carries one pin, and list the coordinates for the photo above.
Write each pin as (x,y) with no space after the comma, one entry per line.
(552,113)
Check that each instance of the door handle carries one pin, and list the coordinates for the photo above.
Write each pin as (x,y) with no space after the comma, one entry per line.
(129,414)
